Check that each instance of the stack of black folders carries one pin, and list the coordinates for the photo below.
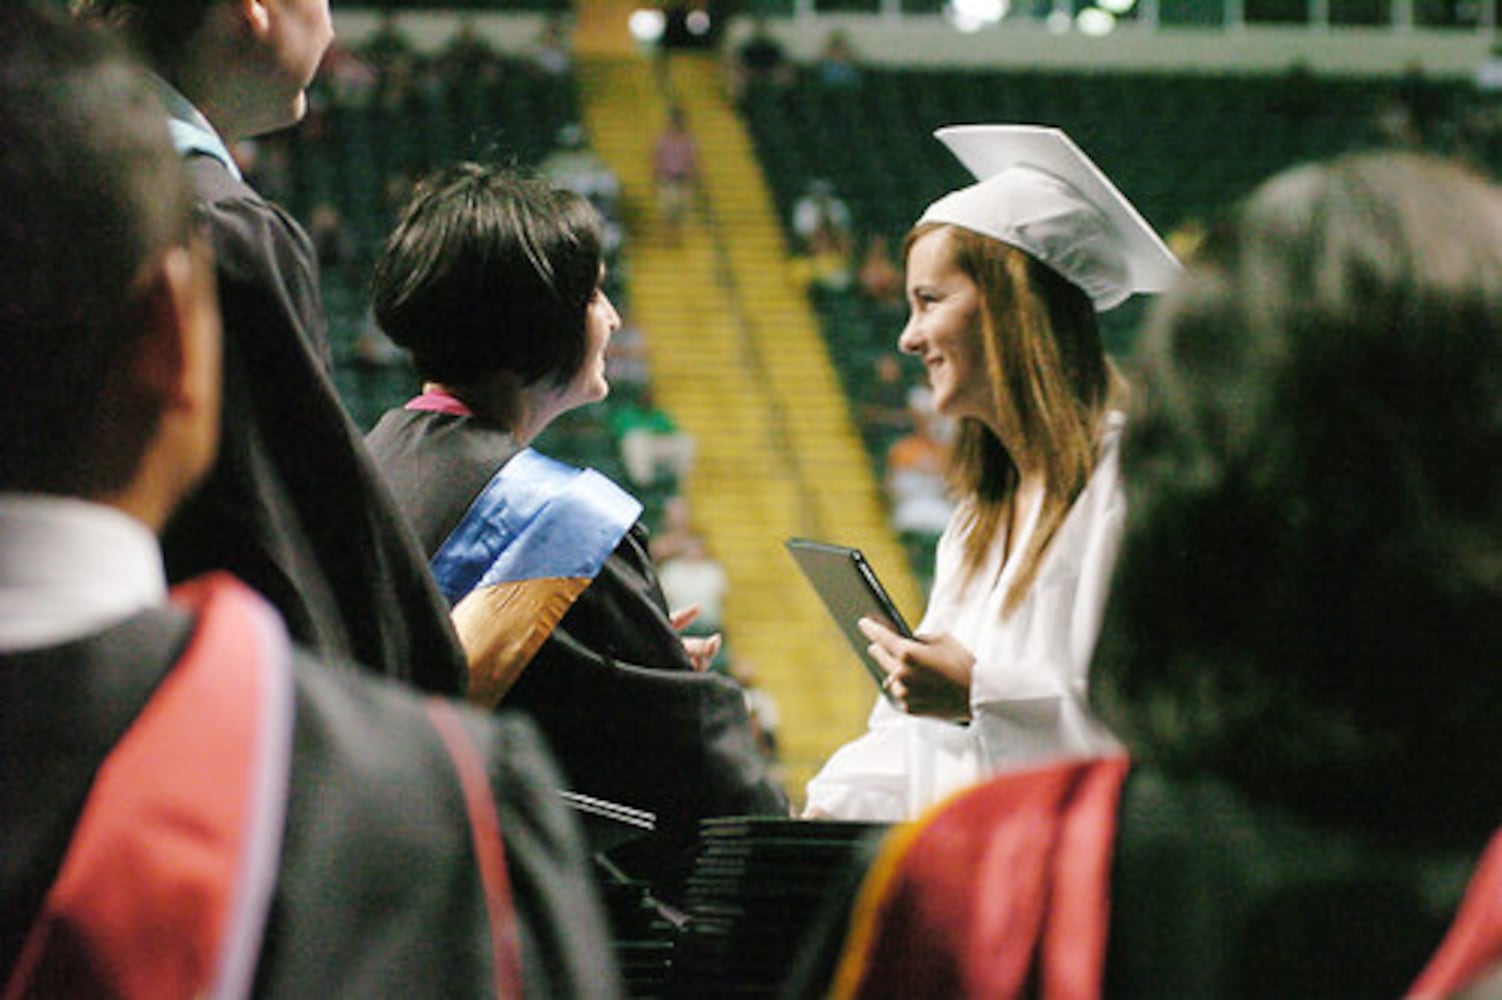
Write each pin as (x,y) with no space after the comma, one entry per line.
(643,928)
(760,888)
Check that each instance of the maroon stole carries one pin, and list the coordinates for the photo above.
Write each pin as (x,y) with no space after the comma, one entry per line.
(168,878)
(999,892)
(490,850)
(1004,891)
(169,875)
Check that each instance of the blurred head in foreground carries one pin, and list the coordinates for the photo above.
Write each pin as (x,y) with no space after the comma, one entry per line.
(109,331)
(1309,598)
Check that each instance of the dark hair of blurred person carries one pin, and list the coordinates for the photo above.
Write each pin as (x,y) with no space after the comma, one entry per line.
(1316,547)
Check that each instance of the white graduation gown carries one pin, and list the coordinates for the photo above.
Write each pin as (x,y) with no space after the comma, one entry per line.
(1028,691)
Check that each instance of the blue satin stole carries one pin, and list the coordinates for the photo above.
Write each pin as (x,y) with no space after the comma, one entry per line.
(536,519)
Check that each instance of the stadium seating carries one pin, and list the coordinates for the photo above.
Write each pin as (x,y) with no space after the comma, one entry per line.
(1181,146)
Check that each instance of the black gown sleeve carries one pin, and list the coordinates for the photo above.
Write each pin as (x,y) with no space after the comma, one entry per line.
(614,689)
(294,506)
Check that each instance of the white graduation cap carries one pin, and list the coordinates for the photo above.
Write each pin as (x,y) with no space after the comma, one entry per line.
(1037,191)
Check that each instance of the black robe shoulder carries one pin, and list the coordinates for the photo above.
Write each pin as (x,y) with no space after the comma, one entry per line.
(377,892)
(294,506)
(612,687)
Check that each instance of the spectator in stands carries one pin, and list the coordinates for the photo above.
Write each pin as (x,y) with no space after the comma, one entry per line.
(389,44)
(1300,645)
(627,366)
(675,171)
(879,277)
(1004,279)
(192,807)
(469,56)
(1296,97)
(836,66)
(397,63)
(551,52)
(335,245)
(766,715)
(916,487)
(654,449)
(1488,74)
(1480,117)
(294,505)
(822,230)
(395,190)
(694,579)
(372,349)
(885,408)
(1422,102)
(493,282)
(821,217)
(265,163)
(759,58)
(351,81)
(574,164)
(673,530)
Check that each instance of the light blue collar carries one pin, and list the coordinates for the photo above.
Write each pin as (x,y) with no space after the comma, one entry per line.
(190,130)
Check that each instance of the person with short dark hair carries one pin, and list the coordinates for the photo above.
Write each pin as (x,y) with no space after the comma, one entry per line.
(293,505)
(192,805)
(1300,647)
(493,282)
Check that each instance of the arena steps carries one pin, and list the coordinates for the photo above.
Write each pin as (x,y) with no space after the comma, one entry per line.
(737,358)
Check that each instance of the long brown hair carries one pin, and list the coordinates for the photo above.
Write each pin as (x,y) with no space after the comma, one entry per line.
(1052,384)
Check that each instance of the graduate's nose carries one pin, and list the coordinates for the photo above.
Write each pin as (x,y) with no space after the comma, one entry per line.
(910,341)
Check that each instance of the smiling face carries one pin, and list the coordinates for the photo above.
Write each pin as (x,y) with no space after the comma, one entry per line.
(600,321)
(944,329)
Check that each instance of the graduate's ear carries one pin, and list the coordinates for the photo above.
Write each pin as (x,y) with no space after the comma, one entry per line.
(257,15)
(158,423)
(176,363)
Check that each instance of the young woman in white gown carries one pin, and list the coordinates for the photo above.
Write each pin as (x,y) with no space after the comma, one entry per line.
(1004,280)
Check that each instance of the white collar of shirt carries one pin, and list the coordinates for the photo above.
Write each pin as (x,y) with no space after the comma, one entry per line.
(190,130)
(69,568)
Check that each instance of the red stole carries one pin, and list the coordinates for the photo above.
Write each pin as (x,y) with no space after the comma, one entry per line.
(1004,891)
(1472,950)
(1000,892)
(168,878)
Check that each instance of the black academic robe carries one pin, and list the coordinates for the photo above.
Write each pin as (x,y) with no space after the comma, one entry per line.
(294,506)
(377,892)
(611,686)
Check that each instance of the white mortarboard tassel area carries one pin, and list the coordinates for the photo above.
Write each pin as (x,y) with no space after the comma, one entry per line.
(1037,191)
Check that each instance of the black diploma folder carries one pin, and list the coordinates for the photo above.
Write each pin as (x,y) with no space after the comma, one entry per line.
(849,588)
